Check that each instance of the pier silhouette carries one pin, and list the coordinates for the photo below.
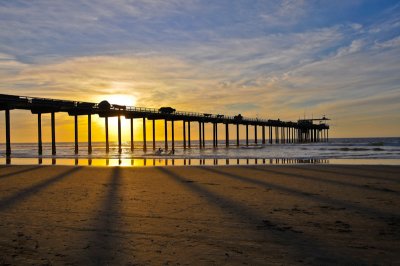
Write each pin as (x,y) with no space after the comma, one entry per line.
(279,132)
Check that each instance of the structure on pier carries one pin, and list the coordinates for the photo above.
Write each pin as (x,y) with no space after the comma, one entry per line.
(278,131)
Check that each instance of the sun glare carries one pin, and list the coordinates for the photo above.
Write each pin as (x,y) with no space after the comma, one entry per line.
(121,99)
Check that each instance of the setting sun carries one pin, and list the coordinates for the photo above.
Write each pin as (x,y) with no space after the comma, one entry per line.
(120,99)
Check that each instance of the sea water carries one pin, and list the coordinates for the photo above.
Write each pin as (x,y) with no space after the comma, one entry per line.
(339,150)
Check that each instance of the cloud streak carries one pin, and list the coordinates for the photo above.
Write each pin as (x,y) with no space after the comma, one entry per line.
(271,59)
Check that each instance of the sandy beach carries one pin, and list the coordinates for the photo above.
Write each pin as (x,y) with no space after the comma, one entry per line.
(203,215)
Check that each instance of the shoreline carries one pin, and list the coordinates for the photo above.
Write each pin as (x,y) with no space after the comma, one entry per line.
(136,162)
(272,214)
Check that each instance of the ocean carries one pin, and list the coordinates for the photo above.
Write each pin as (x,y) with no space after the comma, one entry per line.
(337,150)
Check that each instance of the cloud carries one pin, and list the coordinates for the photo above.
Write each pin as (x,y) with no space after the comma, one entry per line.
(355,46)
(276,58)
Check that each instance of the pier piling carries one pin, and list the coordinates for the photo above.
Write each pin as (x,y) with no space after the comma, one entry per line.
(255,134)
(173,135)
(89,134)
(303,131)
(154,134)
(40,145)
(144,135)
(53,134)
(119,135)
(76,134)
(166,135)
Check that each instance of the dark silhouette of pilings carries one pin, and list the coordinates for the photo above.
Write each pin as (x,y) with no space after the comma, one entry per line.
(285,132)
(263,134)
(270,134)
(189,137)
(184,134)
(53,134)
(154,134)
(166,135)
(89,134)
(255,134)
(75,134)
(119,135)
(8,133)
(40,143)
(173,135)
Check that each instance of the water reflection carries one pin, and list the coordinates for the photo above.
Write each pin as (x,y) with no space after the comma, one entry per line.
(158,162)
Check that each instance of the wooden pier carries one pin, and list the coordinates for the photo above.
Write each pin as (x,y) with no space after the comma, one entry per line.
(302,131)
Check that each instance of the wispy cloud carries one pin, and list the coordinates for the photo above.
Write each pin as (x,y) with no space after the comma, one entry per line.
(277,59)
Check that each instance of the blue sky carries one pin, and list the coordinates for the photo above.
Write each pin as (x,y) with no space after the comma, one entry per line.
(273,59)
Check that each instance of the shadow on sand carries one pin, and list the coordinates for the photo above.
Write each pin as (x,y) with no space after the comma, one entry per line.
(25,170)
(298,245)
(103,243)
(24,194)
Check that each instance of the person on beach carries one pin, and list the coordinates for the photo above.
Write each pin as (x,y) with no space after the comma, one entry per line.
(159,151)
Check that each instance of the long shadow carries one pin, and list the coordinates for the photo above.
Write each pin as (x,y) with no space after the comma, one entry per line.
(369,168)
(298,244)
(9,201)
(20,171)
(340,172)
(103,243)
(314,197)
(332,182)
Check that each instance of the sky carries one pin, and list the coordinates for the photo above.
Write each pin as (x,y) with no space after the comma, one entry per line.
(268,59)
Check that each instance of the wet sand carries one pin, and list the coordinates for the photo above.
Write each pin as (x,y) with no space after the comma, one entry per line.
(296,214)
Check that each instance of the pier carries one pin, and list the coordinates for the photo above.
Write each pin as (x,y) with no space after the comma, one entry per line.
(279,132)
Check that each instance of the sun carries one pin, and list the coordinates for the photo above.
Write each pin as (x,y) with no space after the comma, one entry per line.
(121,99)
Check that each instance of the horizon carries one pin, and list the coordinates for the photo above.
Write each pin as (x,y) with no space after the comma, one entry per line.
(275,59)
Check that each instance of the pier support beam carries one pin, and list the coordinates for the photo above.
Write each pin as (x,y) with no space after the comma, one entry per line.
(173,135)
(184,134)
(76,134)
(119,135)
(166,134)
(154,134)
(107,142)
(53,134)
(263,134)
(227,135)
(189,134)
(276,135)
(8,133)
(213,126)
(40,146)
(270,134)
(144,134)
(89,134)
